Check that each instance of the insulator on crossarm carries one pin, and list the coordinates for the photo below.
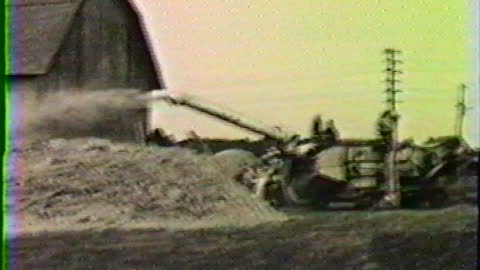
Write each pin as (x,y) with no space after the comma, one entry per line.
(390,60)
(391,50)
(392,80)
(395,101)
(393,91)
(393,70)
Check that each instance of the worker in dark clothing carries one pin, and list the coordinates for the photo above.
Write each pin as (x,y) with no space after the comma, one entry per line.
(385,125)
(159,136)
(316,130)
(330,133)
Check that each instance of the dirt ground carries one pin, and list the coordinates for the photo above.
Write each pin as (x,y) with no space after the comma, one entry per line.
(92,204)
(433,240)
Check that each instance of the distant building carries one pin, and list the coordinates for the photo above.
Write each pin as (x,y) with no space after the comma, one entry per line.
(79,45)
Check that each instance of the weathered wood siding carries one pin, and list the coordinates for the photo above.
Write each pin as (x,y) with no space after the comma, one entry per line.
(104,49)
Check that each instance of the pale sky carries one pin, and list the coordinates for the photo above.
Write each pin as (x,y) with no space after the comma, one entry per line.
(280,62)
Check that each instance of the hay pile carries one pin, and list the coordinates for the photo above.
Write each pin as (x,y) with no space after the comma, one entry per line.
(94,183)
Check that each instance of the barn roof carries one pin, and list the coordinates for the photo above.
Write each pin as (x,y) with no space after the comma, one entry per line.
(39,2)
(38,28)
(37,31)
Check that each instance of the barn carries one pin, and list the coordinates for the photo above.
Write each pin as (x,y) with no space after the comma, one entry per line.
(79,45)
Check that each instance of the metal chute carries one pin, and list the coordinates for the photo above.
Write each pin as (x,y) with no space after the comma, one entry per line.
(193,103)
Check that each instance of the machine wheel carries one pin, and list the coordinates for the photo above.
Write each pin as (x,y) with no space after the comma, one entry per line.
(365,202)
(370,200)
(291,198)
(320,204)
(428,199)
(436,199)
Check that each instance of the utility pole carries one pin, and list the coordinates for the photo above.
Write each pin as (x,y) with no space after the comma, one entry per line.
(393,196)
(461,110)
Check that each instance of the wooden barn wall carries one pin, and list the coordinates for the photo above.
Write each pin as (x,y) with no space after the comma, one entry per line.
(104,49)
(119,126)
(114,50)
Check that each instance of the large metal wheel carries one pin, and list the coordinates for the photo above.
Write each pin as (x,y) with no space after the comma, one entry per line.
(426,199)
(435,199)
(369,200)
(365,202)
